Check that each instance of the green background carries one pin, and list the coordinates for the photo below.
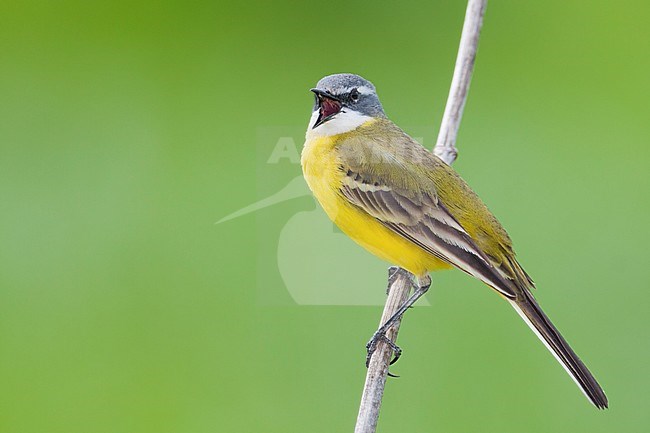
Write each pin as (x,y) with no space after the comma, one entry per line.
(128,128)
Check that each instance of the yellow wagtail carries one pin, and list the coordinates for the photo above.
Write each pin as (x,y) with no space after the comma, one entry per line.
(405,205)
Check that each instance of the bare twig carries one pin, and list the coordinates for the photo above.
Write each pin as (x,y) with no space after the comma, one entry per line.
(373,390)
(445,149)
(446,145)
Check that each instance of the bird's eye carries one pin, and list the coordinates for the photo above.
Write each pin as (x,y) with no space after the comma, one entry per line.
(354,95)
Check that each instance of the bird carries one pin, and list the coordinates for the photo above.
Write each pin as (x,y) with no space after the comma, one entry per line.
(405,205)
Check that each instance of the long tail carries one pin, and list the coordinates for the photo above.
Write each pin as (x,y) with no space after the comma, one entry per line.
(533,315)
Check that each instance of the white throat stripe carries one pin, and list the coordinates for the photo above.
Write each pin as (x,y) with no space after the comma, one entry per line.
(345,121)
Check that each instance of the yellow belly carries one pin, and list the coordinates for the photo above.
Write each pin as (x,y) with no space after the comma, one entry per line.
(320,166)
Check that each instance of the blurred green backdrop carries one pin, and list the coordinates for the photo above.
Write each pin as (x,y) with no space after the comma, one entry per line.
(128,128)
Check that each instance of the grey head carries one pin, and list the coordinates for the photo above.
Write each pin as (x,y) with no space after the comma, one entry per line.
(340,92)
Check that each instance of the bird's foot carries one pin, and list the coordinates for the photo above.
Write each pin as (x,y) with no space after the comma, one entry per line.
(371,347)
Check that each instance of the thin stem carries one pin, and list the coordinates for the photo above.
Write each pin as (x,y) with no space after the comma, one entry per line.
(373,389)
(445,149)
(446,144)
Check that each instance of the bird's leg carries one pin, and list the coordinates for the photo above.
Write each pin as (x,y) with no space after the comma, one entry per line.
(393,273)
(380,335)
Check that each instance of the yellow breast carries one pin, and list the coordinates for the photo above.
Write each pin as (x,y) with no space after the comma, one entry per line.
(321,167)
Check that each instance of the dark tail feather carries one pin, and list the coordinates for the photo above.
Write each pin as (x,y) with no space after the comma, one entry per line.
(530,311)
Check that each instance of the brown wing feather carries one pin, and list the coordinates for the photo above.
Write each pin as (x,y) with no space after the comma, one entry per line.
(423,220)
(400,181)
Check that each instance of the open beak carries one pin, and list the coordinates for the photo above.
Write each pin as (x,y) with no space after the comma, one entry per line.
(328,106)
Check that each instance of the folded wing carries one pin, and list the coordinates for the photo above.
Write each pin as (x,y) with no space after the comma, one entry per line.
(418,215)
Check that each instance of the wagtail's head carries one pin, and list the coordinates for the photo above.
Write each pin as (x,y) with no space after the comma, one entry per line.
(343,103)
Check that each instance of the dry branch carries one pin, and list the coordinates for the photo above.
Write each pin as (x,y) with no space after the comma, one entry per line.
(445,149)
